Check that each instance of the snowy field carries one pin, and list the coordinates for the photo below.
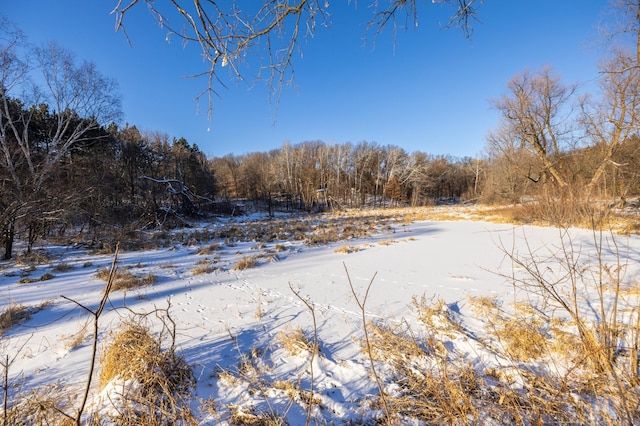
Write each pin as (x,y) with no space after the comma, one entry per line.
(232,323)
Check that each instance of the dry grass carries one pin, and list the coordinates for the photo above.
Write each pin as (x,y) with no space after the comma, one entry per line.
(484,305)
(163,379)
(241,416)
(46,276)
(435,314)
(394,344)
(293,391)
(346,249)
(387,242)
(211,248)
(434,385)
(77,339)
(125,280)
(204,269)
(429,387)
(17,314)
(29,280)
(44,406)
(62,267)
(246,262)
(522,338)
(269,256)
(205,266)
(446,394)
(295,342)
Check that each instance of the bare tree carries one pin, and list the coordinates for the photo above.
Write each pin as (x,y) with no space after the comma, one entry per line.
(625,30)
(272,29)
(615,117)
(537,112)
(39,126)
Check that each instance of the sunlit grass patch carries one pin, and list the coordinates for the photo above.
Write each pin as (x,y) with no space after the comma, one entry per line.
(125,280)
(346,249)
(269,256)
(36,257)
(522,338)
(392,344)
(205,268)
(251,416)
(484,305)
(246,262)
(565,343)
(436,315)
(295,342)
(626,225)
(293,391)
(28,280)
(211,248)
(444,394)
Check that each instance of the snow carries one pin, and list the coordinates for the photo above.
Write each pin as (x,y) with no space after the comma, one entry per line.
(224,315)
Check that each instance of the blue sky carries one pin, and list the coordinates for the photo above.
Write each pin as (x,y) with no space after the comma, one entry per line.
(429,91)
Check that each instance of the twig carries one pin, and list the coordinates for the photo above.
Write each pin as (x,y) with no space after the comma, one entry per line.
(5,389)
(361,305)
(96,315)
(312,309)
(6,364)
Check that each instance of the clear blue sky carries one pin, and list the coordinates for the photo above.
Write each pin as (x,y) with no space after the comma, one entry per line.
(429,92)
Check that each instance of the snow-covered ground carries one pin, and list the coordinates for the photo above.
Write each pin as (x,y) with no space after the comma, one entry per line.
(226,315)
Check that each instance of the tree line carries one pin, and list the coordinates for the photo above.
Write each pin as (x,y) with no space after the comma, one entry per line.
(314,175)
(66,165)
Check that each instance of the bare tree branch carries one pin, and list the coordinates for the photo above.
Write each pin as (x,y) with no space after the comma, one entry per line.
(273,30)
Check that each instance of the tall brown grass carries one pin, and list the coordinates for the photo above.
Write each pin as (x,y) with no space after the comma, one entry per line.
(163,379)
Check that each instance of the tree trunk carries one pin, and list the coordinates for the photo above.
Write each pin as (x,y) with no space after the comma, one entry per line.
(9,234)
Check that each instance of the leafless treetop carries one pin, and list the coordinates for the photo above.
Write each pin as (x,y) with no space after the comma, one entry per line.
(227,31)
